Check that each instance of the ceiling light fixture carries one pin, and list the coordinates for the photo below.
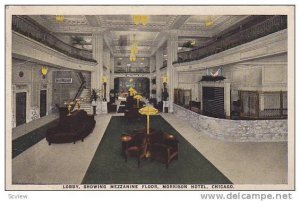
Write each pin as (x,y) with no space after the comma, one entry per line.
(133,50)
(140,19)
(59,18)
(209,22)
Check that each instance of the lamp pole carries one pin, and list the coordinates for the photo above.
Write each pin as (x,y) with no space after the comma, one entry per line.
(104,85)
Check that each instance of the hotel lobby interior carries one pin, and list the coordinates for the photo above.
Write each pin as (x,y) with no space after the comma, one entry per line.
(148,99)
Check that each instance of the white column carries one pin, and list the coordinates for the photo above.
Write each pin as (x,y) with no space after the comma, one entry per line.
(196,94)
(176,78)
(172,56)
(227,102)
(158,64)
(201,95)
(152,68)
(96,77)
(112,76)
(106,59)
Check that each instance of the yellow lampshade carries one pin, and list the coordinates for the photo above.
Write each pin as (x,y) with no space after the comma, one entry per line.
(138,97)
(165,79)
(148,110)
(104,79)
(44,71)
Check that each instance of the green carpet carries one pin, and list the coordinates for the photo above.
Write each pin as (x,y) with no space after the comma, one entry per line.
(109,167)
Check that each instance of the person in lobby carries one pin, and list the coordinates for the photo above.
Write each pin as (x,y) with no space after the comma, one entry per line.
(94,101)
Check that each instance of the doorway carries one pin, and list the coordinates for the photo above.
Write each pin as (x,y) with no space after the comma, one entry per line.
(20,108)
(43,103)
(213,101)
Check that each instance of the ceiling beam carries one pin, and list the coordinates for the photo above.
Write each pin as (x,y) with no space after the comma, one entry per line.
(93,21)
(109,42)
(148,43)
(179,21)
(161,39)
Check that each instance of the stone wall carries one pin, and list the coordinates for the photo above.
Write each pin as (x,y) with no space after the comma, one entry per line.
(27,77)
(235,130)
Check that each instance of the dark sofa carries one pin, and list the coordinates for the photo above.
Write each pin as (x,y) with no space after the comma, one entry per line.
(71,128)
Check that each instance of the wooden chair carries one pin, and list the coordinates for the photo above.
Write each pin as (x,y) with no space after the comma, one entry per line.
(136,147)
(164,148)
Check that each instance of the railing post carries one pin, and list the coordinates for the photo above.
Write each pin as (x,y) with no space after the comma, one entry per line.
(281,104)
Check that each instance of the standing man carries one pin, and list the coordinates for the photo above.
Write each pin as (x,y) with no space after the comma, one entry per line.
(94,104)
(94,101)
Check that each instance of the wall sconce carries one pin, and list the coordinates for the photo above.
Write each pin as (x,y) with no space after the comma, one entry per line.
(104,80)
(165,79)
(44,72)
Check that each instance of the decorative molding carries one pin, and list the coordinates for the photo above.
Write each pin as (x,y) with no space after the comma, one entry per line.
(148,75)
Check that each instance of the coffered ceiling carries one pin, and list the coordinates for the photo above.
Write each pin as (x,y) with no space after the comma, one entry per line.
(120,30)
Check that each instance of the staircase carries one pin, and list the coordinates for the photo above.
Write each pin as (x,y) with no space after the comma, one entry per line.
(83,93)
(86,104)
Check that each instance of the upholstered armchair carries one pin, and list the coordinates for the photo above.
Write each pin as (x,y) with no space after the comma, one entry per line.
(163,148)
(136,147)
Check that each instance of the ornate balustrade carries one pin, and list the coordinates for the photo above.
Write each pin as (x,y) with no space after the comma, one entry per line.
(269,26)
(25,26)
(132,70)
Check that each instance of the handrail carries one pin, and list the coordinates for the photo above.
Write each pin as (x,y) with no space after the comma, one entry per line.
(271,25)
(29,28)
(82,85)
(132,70)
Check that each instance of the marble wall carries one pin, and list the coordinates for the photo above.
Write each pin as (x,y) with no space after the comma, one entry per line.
(235,130)
(64,91)
(27,77)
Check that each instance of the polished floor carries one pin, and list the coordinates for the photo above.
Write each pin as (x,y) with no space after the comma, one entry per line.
(241,163)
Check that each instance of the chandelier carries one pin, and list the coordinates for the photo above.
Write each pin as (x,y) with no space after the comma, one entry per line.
(209,22)
(133,50)
(140,19)
(59,18)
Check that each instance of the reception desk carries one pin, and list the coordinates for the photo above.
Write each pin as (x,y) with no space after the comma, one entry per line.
(235,130)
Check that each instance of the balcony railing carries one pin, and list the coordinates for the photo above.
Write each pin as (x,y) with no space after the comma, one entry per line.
(25,26)
(132,70)
(271,25)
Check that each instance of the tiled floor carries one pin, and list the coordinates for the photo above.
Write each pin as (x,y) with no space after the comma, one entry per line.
(242,163)
(58,163)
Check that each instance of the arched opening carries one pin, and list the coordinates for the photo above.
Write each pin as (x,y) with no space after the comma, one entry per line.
(140,84)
